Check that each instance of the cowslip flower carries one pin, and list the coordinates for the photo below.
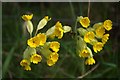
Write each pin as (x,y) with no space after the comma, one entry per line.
(26,64)
(53,57)
(98,46)
(100,31)
(28,68)
(42,38)
(57,30)
(105,38)
(50,62)
(84,53)
(35,58)
(55,46)
(27,17)
(34,42)
(90,61)
(28,23)
(107,25)
(89,36)
(84,21)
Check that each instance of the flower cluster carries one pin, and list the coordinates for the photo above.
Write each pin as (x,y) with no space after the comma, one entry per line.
(38,46)
(95,36)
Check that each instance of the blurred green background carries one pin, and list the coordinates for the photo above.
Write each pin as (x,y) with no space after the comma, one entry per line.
(14,38)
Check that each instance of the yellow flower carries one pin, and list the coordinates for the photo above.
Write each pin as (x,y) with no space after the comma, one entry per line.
(105,38)
(89,36)
(90,61)
(97,46)
(55,31)
(108,25)
(28,68)
(50,62)
(55,46)
(34,42)
(35,58)
(58,30)
(84,53)
(27,17)
(24,62)
(52,58)
(42,38)
(100,31)
(85,22)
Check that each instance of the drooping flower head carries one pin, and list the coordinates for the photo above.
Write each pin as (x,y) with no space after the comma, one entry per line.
(108,25)
(35,58)
(27,17)
(90,61)
(84,21)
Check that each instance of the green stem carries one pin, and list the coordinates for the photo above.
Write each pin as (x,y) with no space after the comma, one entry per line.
(72,11)
(36,32)
(82,68)
(75,30)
